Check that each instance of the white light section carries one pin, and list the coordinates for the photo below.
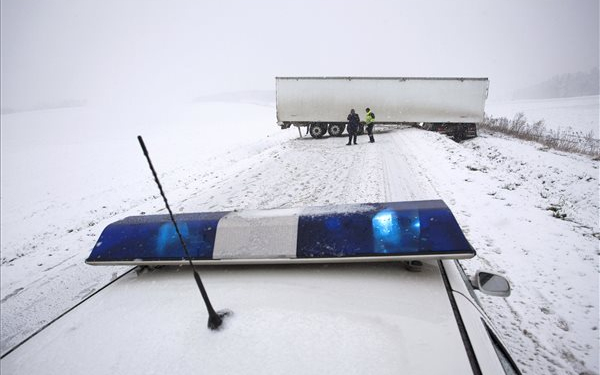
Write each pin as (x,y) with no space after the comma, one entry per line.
(257,234)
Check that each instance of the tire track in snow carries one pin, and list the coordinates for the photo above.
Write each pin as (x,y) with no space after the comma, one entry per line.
(404,178)
(301,172)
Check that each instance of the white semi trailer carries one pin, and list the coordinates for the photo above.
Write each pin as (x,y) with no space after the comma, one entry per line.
(453,106)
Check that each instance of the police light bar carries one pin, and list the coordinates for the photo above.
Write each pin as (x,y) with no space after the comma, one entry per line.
(342,233)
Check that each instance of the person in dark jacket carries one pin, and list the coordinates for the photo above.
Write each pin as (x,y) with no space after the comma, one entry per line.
(353,124)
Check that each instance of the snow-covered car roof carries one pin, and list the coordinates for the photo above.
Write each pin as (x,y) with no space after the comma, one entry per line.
(293,319)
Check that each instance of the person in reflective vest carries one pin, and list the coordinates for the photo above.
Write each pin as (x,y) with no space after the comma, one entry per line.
(353,124)
(370,121)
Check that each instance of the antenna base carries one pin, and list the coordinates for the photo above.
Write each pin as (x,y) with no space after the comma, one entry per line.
(215,321)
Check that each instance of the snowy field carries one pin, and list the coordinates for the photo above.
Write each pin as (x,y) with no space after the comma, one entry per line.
(67,173)
(580,114)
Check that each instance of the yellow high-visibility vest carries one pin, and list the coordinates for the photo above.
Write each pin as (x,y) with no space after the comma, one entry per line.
(369,119)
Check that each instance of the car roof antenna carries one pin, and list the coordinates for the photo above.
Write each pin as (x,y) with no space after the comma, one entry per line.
(215,319)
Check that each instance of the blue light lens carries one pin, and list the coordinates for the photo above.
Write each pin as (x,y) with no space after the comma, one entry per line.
(396,231)
(167,237)
(153,238)
(386,232)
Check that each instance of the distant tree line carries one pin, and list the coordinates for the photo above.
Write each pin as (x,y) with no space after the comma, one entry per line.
(563,86)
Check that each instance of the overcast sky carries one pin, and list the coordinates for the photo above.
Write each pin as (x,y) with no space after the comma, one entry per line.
(109,50)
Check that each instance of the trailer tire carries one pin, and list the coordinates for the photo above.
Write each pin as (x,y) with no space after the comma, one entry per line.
(317,130)
(336,130)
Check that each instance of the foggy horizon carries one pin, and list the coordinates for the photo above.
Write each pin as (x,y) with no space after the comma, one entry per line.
(142,52)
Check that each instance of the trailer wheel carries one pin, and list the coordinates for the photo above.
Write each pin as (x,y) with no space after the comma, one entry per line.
(318,130)
(336,130)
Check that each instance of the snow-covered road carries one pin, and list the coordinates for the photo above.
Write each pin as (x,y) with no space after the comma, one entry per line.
(499,190)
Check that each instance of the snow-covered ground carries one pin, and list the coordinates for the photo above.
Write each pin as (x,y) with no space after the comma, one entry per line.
(579,114)
(67,173)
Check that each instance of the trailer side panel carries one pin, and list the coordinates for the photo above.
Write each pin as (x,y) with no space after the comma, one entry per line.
(394,100)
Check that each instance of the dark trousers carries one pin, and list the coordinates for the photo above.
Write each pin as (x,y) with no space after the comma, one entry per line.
(370,132)
(350,136)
